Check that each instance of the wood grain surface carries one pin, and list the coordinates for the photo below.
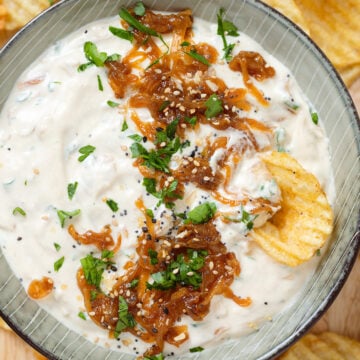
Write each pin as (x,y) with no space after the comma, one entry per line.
(343,317)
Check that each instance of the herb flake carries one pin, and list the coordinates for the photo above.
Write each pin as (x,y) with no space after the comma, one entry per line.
(85,151)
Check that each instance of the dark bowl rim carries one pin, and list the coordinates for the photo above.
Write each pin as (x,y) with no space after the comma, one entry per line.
(351,257)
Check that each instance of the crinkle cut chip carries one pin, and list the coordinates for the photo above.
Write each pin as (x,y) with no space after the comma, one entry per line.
(304,222)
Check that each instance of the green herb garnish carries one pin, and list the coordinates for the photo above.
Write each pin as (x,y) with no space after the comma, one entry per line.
(81,315)
(126,320)
(246,218)
(318,252)
(19,210)
(121,33)
(164,105)
(154,357)
(195,55)
(136,137)
(149,213)
(192,121)
(315,118)
(291,105)
(63,215)
(153,257)
(134,283)
(162,194)
(112,205)
(71,189)
(93,295)
(139,9)
(85,151)
(124,126)
(126,16)
(226,27)
(59,263)
(95,57)
(196,349)
(201,214)
(94,267)
(57,246)
(183,271)
(100,85)
(213,106)
(185,43)
(113,104)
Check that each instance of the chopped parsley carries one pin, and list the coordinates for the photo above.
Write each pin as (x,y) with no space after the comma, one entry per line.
(158,159)
(124,126)
(71,189)
(139,9)
(154,357)
(246,218)
(113,104)
(126,16)
(201,214)
(224,28)
(121,33)
(195,55)
(213,106)
(19,210)
(95,57)
(112,205)
(94,267)
(100,85)
(59,263)
(192,121)
(57,246)
(134,283)
(85,151)
(126,320)
(136,137)
(153,257)
(291,105)
(63,215)
(183,271)
(315,118)
(196,349)
(162,194)
(81,315)
(149,213)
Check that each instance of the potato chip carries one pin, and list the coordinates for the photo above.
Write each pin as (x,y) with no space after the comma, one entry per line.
(4,325)
(348,349)
(304,221)
(20,12)
(291,10)
(333,25)
(325,346)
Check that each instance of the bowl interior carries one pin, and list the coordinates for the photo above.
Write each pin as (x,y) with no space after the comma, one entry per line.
(327,93)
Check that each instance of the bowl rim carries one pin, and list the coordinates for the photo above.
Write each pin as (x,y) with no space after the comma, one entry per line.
(351,257)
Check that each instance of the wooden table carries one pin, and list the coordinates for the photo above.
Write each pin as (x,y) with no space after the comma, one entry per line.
(342,317)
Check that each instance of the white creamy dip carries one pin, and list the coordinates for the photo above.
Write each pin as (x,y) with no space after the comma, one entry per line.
(44,124)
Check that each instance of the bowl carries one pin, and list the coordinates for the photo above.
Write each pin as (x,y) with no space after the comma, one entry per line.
(321,84)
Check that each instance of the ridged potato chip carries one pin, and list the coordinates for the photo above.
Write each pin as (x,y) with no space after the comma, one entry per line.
(304,222)
(16,13)
(3,324)
(325,346)
(291,10)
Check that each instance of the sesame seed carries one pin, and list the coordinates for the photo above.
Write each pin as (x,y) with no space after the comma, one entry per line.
(158,71)
(180,337)
(92,313)
(215,272)
(183,126)
(196,163)
(190,273)
(206,178)
(163,144)
(171,178)
(128,293)
(203,96)
(185,162)
(194,171)
(176,92)
(192,111)
(167,90)
(167,243)
(211,265)
(175,271)
(182,108)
